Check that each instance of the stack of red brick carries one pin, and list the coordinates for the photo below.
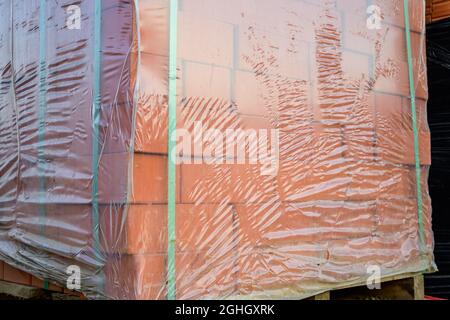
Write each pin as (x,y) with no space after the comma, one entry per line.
(329,78)
(344,196)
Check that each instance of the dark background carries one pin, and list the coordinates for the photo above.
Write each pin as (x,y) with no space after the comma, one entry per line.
(438,52)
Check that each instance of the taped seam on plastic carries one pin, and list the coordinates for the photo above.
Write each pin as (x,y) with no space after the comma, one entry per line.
(42,113)
(414,123)
(172,121)
(96,125)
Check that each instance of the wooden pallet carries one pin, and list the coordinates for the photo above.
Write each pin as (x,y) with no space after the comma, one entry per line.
(408,286)
(13,291)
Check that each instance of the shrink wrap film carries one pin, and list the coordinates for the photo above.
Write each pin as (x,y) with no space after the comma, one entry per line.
(214,149)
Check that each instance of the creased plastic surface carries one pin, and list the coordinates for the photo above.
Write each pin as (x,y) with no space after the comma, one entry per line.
(295,170)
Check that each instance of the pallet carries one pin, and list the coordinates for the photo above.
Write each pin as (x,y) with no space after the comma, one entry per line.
(14,291)
(403,287)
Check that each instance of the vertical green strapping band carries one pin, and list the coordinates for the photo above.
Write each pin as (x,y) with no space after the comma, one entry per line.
(42,105)
(172,123)
(96,123)
(414,123)
(41,113)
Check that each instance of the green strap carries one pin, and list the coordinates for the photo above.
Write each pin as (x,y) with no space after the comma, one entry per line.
(96,123)
(41,113)
(414,123)
(172,121)
(42,106)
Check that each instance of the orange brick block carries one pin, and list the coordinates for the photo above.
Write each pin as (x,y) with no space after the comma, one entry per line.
(263,269)
(233,183)
(206,40)
(143,277)
(393,13)
(290,224)
(143,230)
(392,65)
(149,181)
(398,147)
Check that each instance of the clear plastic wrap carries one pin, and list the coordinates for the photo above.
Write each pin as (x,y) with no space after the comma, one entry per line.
(295,145)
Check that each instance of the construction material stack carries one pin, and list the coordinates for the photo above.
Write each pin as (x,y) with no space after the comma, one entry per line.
(300,164)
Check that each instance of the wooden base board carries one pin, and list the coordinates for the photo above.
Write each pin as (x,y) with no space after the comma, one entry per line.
(404,287)
(14,291)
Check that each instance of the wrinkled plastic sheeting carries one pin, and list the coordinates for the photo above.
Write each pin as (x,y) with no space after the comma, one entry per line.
(295,170)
